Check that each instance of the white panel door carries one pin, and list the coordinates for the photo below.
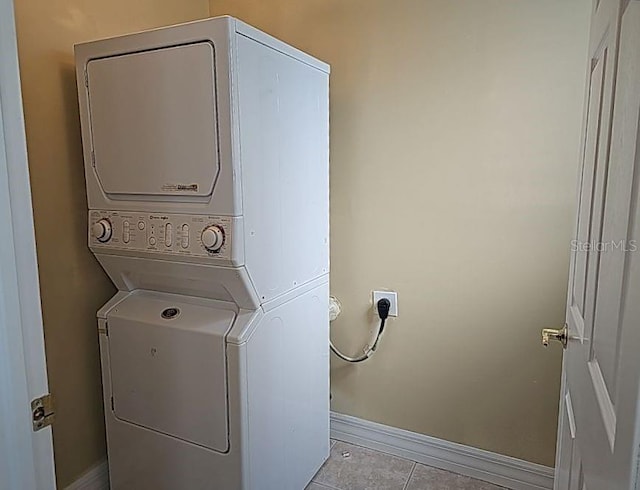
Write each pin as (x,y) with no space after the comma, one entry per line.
(597,441)
(26,457)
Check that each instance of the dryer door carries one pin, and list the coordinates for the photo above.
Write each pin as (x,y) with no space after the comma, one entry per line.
(154,123)
(168,366)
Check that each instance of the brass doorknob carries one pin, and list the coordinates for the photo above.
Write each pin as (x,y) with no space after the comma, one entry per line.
(561,336)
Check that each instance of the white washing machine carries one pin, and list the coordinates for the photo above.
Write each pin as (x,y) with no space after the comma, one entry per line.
(206,163)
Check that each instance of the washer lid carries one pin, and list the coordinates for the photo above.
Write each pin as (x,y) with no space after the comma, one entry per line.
(153,122)
(168,366)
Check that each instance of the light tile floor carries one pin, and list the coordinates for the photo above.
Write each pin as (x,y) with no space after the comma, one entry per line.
(352,467)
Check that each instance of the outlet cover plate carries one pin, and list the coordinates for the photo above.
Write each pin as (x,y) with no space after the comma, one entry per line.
(392,296)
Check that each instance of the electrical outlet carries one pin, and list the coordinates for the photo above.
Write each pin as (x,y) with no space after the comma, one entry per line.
(392,296)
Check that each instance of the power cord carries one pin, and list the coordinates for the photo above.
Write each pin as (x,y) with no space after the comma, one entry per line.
(383,306)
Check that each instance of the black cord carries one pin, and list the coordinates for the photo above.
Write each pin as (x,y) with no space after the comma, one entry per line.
(383,312)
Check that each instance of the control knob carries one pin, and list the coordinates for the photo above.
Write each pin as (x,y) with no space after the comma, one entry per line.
(212,238)
(102,230)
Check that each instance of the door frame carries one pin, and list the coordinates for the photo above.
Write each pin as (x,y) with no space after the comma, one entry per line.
(26,457)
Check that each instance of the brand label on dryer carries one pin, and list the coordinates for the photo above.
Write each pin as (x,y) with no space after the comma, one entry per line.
(180,187)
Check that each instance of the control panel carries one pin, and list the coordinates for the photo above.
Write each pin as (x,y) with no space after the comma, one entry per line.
(176,234)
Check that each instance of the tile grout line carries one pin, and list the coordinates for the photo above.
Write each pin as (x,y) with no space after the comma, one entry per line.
(325,485)
(383,453)
(413,468)
(313,480)
(335,441)
(374,450)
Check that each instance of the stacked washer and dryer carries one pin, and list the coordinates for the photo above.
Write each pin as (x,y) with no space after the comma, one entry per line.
(206,162)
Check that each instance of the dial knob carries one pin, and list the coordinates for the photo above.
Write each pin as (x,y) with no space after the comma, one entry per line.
(102,230)
(212,238)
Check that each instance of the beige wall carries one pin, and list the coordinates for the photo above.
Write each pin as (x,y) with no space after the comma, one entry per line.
(73,285)
(454,142)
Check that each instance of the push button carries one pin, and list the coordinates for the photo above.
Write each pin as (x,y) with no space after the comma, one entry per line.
(168,234)
(185,236)
(126,232)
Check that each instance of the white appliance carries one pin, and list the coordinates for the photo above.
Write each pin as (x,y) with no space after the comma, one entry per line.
(206,162)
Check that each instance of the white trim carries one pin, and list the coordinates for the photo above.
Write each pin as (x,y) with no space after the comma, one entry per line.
(97,478)
(495,468)
(27,457)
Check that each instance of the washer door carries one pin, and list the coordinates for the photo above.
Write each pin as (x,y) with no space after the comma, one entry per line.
(154,124)
(168,366)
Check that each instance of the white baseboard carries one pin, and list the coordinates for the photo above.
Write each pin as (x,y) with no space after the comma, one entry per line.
(96,478)
(484,465)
